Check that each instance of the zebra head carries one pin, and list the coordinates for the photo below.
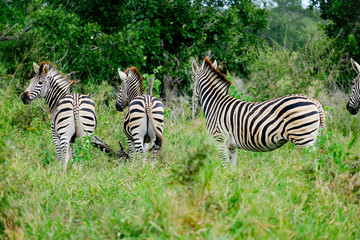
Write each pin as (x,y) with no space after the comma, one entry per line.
(122,100)
(354,101)
(197,73)
(131,87)
(39,84)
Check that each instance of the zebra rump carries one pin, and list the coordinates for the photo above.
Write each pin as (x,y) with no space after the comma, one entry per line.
(78,109)
(144,122)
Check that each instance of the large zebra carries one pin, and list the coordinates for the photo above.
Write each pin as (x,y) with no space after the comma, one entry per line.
(72,115)
(258,126)
(354,101)
(144,121)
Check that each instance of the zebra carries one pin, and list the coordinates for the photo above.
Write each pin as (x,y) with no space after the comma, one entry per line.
(253,126)
(72,115)
(354,101)
(144,121)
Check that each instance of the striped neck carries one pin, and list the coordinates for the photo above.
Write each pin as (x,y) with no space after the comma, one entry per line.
(135,83)
(212,85)
(59,86)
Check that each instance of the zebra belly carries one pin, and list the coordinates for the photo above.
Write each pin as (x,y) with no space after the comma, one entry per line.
(250,143)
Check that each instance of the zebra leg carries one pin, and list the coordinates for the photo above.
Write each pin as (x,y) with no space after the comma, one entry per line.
(233,151)
(56,141)
(72,150)
(131,149)
(73,156)
(65,155)
(155,148)
(224,155)
(146,146)
(139,145)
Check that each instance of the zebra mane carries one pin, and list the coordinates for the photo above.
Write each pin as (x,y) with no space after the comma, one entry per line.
(208,64)
(52,68)
(136,72)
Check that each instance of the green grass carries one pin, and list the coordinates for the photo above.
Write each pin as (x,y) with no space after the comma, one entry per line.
(284,194)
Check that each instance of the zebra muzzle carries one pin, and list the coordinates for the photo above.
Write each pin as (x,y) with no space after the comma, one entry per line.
(352,111)
(119,107)
(25,98)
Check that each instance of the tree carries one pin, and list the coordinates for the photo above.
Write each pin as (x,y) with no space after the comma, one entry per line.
(93,38)
(290,25)
(342,27)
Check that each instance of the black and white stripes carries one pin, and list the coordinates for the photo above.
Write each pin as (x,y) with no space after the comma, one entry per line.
(73,115)
(261,126)
(144,121)
(354,101)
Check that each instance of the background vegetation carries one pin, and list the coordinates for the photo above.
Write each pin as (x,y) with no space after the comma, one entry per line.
(267,50)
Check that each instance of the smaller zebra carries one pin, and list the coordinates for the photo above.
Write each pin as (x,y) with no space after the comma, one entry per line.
(72,115)
(354,101)
(144,121)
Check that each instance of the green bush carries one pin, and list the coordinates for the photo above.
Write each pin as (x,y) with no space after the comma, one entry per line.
(279,71)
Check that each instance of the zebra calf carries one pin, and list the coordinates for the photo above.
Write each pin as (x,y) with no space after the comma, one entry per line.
(72,115)
(144,121)
(354,101)
(258,126)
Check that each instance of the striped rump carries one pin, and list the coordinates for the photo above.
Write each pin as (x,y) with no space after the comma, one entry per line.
(144,121)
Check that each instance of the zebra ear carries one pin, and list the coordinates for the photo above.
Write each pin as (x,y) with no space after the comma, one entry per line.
(194,66)
(36,68)
(355,65)
(122,75)
(215,64)
(46,69)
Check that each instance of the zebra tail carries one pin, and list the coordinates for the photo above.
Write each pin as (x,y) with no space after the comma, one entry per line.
(77,121)
(159,137)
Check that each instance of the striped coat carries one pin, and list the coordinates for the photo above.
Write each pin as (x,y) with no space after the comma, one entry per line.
(144,121)
(73,115)
(354,101)
(259,126)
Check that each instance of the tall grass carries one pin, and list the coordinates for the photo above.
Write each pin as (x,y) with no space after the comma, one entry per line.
(284,194)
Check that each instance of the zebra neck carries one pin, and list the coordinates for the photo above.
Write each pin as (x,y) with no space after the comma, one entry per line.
(211,94)
(59,86)
(134,92)
(135,83)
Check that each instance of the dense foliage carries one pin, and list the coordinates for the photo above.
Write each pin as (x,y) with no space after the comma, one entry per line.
(290,25)
(341,27)
(91,39)
(343,18)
